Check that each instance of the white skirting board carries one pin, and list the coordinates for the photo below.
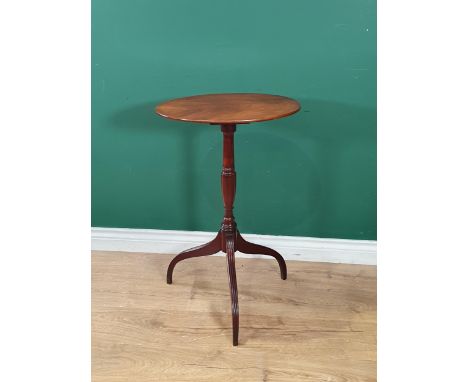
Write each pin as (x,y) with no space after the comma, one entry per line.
(291,247)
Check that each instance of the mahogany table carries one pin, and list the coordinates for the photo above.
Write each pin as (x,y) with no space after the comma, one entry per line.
(228,110)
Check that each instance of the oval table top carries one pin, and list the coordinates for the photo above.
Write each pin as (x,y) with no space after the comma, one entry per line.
(228,108)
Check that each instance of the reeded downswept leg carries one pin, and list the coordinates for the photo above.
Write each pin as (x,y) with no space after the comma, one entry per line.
(245,246)
(231,267)
(207,249)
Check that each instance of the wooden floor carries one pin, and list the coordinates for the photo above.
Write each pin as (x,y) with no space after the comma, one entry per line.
(318,325)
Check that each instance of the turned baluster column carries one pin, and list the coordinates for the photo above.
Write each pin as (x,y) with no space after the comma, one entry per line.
(228,181)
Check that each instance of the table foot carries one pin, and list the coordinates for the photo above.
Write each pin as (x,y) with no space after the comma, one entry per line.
(247,247)
(231,265)
(207,249)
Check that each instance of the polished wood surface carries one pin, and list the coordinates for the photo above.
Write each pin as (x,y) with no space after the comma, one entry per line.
(228,108)
(320,325)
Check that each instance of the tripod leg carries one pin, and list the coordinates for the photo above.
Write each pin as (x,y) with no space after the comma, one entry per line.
(245,246)
(207,249)
(231,265)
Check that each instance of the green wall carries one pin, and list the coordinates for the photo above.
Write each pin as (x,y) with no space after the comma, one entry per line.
(312,174)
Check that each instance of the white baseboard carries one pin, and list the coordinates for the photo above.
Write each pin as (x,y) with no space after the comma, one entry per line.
(291,247)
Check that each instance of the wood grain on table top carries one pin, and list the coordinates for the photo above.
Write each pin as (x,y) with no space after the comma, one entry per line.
(228,108)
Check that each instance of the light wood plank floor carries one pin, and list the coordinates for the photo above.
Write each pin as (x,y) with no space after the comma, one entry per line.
(318,325)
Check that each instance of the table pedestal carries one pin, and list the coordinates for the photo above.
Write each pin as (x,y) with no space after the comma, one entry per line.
(228,239)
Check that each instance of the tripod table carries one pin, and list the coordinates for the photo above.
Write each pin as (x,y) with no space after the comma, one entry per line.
(228,110)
